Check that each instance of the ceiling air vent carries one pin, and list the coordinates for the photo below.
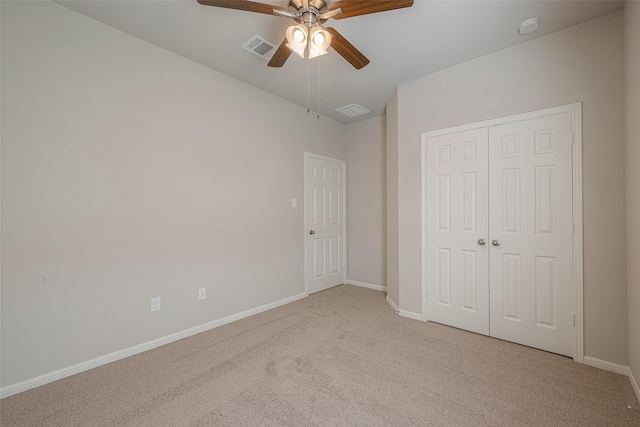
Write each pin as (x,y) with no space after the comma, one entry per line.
(352,110)
(260,47)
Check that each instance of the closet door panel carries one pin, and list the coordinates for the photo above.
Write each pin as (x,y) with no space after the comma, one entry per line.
(457,265)
(531,229)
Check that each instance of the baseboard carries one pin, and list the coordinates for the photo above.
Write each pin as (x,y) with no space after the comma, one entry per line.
(634,386)
(366,285)
(410,315)
(607,366)
(393,305)
(403,313)
(136,349)
(618,369)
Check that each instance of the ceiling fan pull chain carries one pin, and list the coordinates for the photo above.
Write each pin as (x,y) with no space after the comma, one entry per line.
(318,117)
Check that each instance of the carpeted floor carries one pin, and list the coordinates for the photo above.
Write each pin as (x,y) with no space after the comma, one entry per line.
(341,357)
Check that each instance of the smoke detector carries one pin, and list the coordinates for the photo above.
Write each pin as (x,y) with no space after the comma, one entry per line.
(529,26)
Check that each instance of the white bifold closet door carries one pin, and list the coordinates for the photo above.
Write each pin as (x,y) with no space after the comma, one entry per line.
(499,232)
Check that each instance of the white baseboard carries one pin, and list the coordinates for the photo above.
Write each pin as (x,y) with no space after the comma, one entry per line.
(366,285)
(403,313)
(607,366)
(121,354)
(634,385)
(393,305)
(618,369)
(410,315)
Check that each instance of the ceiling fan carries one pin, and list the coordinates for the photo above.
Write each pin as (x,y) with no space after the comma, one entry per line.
(309,37)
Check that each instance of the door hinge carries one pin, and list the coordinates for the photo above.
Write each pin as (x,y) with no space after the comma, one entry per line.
(574,320)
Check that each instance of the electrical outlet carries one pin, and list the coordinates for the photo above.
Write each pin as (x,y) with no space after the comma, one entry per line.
(155,304)
(202,293)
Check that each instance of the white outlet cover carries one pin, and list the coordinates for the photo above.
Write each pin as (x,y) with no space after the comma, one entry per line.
(156,303)
(202,293)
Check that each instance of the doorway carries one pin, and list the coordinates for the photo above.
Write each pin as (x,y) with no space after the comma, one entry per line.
(325,207)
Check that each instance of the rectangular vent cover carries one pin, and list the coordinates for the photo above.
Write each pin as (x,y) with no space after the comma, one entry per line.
(260,47)
(352,110)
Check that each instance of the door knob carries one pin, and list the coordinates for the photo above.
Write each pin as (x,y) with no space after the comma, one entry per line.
(312,232)
(482,242)
(495,242)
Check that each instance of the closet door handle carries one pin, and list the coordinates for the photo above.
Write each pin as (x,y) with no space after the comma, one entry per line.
(495,242)
(482,242)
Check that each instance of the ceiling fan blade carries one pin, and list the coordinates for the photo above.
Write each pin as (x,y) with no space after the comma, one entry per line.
(352,8)
(280,57)
(249,6)
(346,49)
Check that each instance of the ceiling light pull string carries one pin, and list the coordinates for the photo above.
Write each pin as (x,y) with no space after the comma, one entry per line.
(318,117)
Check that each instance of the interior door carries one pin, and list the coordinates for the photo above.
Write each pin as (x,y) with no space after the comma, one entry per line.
(324,219)
(457,207)
(531,232)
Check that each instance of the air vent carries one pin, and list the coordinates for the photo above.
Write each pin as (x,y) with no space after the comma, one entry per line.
(260,47)
(352,110)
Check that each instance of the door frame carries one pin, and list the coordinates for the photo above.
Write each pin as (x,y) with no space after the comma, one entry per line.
(578,258)
(343,258)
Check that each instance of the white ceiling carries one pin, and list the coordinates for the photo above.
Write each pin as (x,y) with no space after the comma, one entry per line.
(401,44)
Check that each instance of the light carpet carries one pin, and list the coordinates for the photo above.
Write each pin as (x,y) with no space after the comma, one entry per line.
(341,357)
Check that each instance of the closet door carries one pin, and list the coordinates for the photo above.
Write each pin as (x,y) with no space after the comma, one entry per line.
(457,248)
(531,228)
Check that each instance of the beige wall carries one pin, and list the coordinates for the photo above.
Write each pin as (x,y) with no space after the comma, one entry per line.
(393,289)
(122,180)
(581,64)
(128,173)
(366,203)
(632,109)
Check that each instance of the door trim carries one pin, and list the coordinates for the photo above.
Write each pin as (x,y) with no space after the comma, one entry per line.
(578,273)
(343,260)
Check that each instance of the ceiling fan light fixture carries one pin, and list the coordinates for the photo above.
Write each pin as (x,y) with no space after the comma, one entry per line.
(315,53)
(319,41)
(297,51)
(297,37)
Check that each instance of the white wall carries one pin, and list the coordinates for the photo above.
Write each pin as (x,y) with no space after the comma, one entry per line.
(366,207)
(393,282)
(584,64)
(128,173)
(632,110)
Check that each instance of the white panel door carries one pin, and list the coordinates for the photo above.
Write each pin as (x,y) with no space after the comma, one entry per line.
(531,229)
(324,212)
(457,266)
